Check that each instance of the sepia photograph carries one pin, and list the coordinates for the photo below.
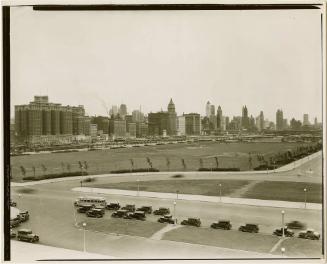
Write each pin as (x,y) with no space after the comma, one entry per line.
(164,131)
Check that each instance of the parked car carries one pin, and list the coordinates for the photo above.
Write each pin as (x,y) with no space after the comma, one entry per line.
(12,203)
(119,213)
(296,225)
(85,208)
(138,215)
(192,222)
(161,211)
(222,224)
(166,219)
(95,212)
(287,232)
(251,228)
(113,206)
(24,216)
(309,234)
(14,222)
(12,233)
(27,235)
(129,207)
(145,209)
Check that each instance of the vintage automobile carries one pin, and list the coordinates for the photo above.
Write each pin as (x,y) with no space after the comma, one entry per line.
(167,219)
(309,234)
(161,211)
(12,233)
(296,225)
(12,203)
(113,206)
(119,213)
(287,232)
(138,215)
(95,212)
(84,208)
(27,235)
(251,228)
(145,209)
(24,216)
(129,207)
(14,222)
(192,222)
(222,224)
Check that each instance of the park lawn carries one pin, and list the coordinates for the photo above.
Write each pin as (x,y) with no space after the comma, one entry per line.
(222,238)
(104,161)
(298,247)
(123,226)
(285,191)
(197,187)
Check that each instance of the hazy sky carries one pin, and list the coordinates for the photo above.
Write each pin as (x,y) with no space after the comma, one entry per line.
(264,59)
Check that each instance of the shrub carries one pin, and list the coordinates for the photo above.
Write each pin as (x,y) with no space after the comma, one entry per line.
(54,175)
(219,169)
(135,170)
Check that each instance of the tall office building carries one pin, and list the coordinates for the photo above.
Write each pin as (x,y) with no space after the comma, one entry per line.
(192,124)
(123,110)
(181,125)
(245,118)
(137,116)
(219,118)
(102,123)
(113,111)
(208,109)
(261,121)
(306,120)
(279,119)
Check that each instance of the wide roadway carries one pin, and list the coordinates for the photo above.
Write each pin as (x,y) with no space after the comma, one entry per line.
(53,217)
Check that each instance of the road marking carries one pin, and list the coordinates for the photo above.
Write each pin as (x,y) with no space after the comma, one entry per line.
(158,235)
(277,244)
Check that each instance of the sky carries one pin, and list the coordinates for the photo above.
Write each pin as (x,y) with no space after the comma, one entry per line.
(265,59)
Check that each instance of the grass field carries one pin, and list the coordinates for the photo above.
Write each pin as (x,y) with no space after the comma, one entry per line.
(104,161)
(298,247)
(286,191)
(199,187)
(266,190)
(222,238)
(124,226)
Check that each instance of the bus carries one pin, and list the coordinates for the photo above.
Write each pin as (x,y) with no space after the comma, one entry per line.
(90,200)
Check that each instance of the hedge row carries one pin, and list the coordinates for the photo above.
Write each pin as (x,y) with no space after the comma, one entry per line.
(219,169)
(135,170)
(55,175)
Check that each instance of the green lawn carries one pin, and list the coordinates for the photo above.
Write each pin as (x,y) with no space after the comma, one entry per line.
(297,247)
(104,161)
(222,238)
(285,191)
(198,187)
(123,226)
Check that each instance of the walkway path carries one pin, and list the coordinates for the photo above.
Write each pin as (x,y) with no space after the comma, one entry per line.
(158,235)
(203,198)
(241,191)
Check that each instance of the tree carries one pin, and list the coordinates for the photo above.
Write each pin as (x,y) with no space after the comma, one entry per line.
(132,164)
(86,165)
(217,163)
(44,168)
(80,167)
(250,161)
(184,164)
(23,170)
(63,167)
(168,163)
(149,162)
(33,168)
(201,163)
(68,167)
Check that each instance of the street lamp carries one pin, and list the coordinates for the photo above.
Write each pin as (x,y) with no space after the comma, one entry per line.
(219,191)
(283,251)
(175,219)
(283,213)
(84,244)
(305,197)
(138,187)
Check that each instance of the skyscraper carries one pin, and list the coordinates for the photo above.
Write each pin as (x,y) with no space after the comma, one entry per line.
(219,118)
(192,124)
(306,120)
(279,119)
(123,110)
(245,118)
(261,121)
(172,117)
(208,108)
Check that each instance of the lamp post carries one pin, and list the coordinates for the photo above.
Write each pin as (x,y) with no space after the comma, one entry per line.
(283,251)
(84,244)
(305,197)
(175,219)
(138,187)
(283,230)
(219,192)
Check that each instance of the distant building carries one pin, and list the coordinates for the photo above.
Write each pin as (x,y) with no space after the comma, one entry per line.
(141,130)
(285,123)
(219,118)
(117,127)
(279,119)
(132,129)
(102,123)
(192,124)
(93,131)
(261,121)
(245,118)
(208,109)
(306,121)
(137,116)
(114,111)
(123,110)
(181,125)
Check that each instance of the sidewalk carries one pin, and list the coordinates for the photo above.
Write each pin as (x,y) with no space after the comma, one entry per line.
(285,168)
(202,198)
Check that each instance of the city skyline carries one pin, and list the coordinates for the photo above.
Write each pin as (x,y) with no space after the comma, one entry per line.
(77,62)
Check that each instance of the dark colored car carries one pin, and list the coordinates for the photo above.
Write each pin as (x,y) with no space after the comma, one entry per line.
(85,208)
(223,224)
(13,204)
(296,225)
(251,228)
(161,211)
(287,232)
(129,207)
(14,222)
(166,219)
(95,212)
(12,233)
(192,222)
(113,206)
(27,235)
(119,213)
(24,216)
(145,209)
(309,234)
(138,215)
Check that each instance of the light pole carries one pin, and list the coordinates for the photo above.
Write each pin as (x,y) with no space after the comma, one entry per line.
(305,197)
(283,213)
(84,244)
(283,251)
(138,187)
(219,192)
(175,219)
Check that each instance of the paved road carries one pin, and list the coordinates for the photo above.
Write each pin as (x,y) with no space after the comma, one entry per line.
(53,218)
